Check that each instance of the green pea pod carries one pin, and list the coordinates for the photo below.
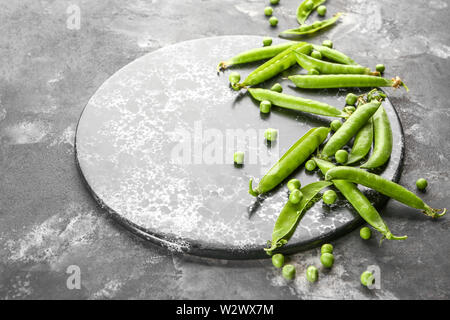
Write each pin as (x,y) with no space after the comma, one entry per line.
(362,144)
(324,67)
(296,103)
(334,55)
(256,54)
(359,201)
(303,10)
(350,127)
(344,81)
(291,160)
(384,186)
(309,30)
(382,147)
(291,214)
(274,66)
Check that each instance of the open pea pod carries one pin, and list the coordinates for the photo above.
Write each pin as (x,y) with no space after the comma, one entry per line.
(291,214)
(305,8)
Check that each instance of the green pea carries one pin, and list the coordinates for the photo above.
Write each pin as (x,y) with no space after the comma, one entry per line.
(313,72)
(327,43)
(335,125)
(274,1)
(310,165)
(351,99)
(234,77)
(380,68)
(267,42)
(265,106)
(365,233)
(278,260)
(309,4)
(312,274)
(238,157)
(271,134)
(295,196)
(341,156)
(421,184)
(329,197)
(349,109)
(277,88)
(268,11)
(316,54)
(293,184)
(327,260)
(321,10)
(367,278)
(288,272)
(326,248)
(273,21)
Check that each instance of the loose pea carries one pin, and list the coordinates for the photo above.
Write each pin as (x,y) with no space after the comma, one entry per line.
(274,1)
(312,274)
(238,157)
(278,260)
(273,21)
(310,165)
(335,125)
(267,42)
(351,99)
(295,196)
(309,4)
(316,54)
(321,10)
(341,156)
(313,72)
(365,233)
(421,184)
(234,77)
(326,248)
(265,106)
(277,87)
(349,109)
(327,43)
(327,260)
(268,11)
(271,134)
(367,278)
(288,272)
(380,68)
(294,184)
(329,197)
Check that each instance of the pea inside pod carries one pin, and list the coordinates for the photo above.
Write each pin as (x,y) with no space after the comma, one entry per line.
(291,160)
(305,8)
(308,30)
(384,186)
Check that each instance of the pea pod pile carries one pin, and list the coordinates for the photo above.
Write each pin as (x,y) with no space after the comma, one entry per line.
(366,123)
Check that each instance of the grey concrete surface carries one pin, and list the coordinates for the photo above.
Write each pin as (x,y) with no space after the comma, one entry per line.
(48,220)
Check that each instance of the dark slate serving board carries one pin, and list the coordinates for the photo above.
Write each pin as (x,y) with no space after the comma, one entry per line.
(139,148)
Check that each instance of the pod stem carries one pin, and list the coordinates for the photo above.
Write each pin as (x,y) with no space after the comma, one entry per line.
(254,193)
(435,213)
(397,82)
(222,66)
(390,236)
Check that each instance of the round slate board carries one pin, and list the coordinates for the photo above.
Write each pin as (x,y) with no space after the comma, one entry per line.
(155,146)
